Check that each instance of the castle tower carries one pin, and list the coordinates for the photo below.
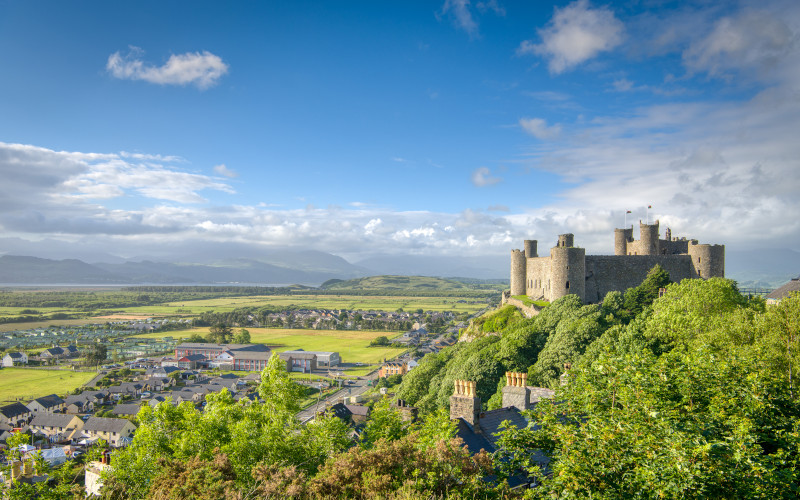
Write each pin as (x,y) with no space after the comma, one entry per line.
(648,241)
(464,403)
(530,248)
(621,239)
(566,240)
(568,269)
(708,261)
(516,392)
(518,273)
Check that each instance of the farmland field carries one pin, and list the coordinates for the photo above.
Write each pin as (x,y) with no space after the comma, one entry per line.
(27,384)
(351,345)
(366,303)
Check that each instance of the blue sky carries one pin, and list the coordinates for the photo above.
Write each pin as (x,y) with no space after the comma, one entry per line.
(363,128)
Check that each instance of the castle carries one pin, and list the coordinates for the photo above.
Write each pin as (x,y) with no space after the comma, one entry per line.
(568,270)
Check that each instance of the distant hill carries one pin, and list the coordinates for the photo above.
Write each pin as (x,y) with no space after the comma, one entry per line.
(487,267)
(34,270)
(394,282)
(766,267)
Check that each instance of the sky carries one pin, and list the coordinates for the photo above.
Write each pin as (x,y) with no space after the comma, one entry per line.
(451,127)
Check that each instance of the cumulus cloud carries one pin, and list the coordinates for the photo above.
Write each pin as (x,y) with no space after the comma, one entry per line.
(575,34)
(202,69)
(482,176)
(223,170)
(538,128)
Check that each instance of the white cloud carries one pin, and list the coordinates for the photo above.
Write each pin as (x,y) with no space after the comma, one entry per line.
(202,69)
(482,176)
(462,17)
(748,41)
(576,34)
(538,128)
(370,226)
(223,170)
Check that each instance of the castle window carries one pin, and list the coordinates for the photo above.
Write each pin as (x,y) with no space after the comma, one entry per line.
(698,260)
(567,285)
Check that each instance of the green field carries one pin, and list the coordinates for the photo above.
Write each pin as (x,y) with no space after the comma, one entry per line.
(351,345)
(366,303)
(27,384)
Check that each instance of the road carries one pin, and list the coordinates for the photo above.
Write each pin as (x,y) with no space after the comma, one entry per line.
(360,386)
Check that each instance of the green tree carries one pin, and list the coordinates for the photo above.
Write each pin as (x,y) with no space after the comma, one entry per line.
(242,337)
(219,334)
(97,354)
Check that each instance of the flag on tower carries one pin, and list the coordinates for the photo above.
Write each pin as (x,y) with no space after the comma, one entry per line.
(628,212)
(649,206)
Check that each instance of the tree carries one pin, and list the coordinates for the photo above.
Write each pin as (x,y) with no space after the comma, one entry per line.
(97,355)
(380,341)
(196,338)
(243,337)
(220,334)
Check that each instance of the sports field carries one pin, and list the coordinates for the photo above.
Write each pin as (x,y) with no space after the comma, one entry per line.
(27,384)
(351,345)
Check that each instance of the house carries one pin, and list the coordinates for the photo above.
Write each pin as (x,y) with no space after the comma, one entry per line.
(393,368)
(51,403)
(191,361)
(52,353)
(85,402)
(126,410)
(15,414)
(480,430)
(115,431)
(56,426)
(783,291)
(15,358)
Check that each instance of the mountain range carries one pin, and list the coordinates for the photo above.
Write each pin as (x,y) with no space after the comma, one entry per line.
(766,268)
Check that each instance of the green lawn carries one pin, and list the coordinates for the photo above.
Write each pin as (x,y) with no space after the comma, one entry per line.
(27,384)
(351,345)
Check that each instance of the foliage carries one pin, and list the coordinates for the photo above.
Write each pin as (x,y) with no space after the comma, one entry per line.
(97,354)
(380,341)
(247,433)
(391,469)
(242,337)
(220,334)
(636,299)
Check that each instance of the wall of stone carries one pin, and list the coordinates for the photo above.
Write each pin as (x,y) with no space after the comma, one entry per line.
(518,272)
(606,273)
(537,279)
(708,260)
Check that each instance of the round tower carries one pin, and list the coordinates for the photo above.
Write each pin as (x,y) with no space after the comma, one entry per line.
(621,239)
(649,244)
(566,240)
(518,272)
(567,272)
(708,261)
(530,248)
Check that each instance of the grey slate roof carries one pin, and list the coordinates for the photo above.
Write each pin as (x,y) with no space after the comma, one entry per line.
(49,401)
(14,410)
(103,424)
(51,420)
(784,290)
(126,409)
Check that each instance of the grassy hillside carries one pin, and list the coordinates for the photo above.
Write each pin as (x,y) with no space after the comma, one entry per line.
(408,283)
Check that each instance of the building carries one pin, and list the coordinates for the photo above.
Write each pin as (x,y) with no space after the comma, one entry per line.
(480,429)
(234,356)
(15,358)
(15,414)
(51,404)
(783,291)
(115,431)
(568,270)
(393,368)
(299,361)
(56,427)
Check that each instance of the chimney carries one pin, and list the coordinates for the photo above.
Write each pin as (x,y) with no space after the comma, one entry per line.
(516,393)
(464,403)
(15,470)
(563,379)
(27,467)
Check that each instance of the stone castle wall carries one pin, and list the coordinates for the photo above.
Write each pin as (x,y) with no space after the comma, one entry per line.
(568,270)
